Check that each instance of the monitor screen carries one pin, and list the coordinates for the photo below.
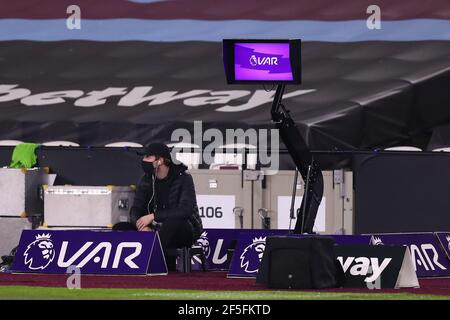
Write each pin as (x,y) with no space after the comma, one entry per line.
(262,61)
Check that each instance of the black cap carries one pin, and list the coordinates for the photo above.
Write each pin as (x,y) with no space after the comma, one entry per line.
(156,149)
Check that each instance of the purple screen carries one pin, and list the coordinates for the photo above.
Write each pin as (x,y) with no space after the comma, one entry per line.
(262,62)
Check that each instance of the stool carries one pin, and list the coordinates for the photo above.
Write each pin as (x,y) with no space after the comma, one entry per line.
(185,255)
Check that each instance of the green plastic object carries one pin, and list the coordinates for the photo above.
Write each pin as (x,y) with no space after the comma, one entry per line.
(24,156)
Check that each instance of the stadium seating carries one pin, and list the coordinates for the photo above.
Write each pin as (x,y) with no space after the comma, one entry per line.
(446,149)
(225,158)
(10,142)
(61,144)
(124,144)
(190,155)
(403,148)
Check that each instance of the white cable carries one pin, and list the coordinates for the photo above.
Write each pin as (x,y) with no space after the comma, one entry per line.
(153,194)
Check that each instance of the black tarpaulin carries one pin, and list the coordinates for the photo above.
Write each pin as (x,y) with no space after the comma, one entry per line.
(359,95)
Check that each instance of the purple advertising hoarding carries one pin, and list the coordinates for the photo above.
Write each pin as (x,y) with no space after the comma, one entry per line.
(251,245)
(444,239)
(262,62)
(249,251)
(427,253)
(215,244)
(94,252)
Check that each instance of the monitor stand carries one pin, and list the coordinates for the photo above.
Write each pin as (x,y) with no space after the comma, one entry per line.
(304,161)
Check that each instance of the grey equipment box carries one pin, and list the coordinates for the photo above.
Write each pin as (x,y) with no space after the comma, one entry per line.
(10,231)
(87,206)
(19,191)
(278,195)
(227,192)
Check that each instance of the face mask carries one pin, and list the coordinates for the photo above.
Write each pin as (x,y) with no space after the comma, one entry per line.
(148,167)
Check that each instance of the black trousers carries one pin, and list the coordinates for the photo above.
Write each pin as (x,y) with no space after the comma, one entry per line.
(174,233)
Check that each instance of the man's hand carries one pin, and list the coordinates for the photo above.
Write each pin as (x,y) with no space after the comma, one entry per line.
(146,229)
(145,221)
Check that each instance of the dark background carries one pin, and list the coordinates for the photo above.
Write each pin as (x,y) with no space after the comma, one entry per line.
(397,192)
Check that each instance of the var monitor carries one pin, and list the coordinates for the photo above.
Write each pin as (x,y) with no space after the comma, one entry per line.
(262,61)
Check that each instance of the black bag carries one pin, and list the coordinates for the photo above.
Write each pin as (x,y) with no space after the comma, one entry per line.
(300,263)
(8,260)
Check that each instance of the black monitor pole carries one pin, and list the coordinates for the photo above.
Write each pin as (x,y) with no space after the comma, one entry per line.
(304,161)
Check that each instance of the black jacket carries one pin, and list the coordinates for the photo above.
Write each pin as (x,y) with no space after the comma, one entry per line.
(182,202)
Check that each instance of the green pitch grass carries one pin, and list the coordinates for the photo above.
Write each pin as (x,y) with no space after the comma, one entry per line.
(23,292)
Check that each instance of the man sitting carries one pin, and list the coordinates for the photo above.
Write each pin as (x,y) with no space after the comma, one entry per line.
(165,201)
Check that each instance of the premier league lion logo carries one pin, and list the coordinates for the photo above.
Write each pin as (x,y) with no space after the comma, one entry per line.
(204,242)
(252,255)
(40,253)
(376,241)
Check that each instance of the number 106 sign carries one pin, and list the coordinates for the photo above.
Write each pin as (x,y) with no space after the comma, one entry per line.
(216,211)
